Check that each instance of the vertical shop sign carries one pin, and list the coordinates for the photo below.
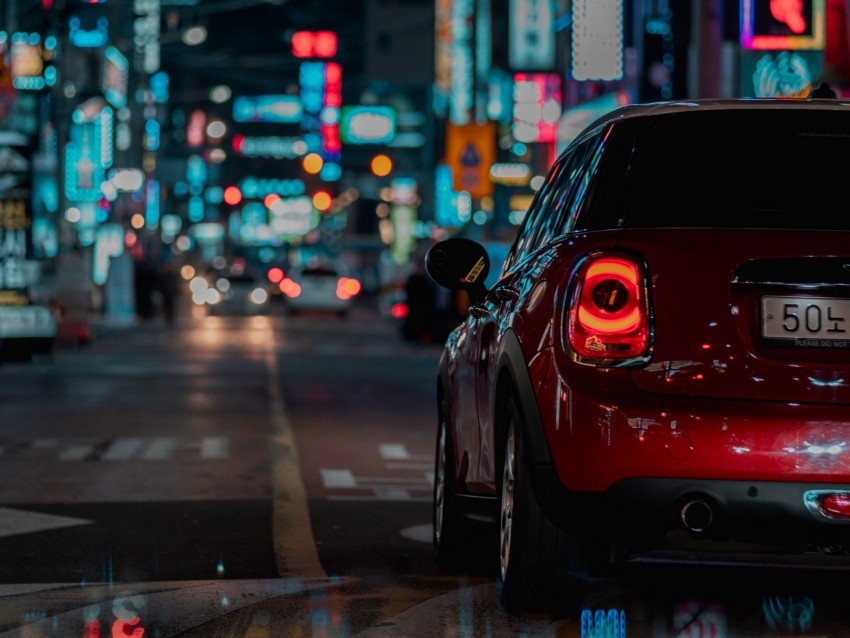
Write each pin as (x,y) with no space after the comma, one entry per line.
(15,214)
(462,73)
(470,152)
(597,47)
(442,56)
(532,36)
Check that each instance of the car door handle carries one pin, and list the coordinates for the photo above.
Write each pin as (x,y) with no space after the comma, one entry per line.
(506,293)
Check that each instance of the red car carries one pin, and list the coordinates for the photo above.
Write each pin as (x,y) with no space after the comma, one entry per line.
(666,349)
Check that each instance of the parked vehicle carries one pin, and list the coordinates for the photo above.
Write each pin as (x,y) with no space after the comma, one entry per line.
(26,331)
(665,352)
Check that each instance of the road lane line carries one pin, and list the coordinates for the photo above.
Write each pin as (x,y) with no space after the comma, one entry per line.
(294,545)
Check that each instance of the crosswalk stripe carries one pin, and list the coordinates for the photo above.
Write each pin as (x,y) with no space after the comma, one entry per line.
(338,478)
(393,451)
(122,449)
(160,449)
(214,447)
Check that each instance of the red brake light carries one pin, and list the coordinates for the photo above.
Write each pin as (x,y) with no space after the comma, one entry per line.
(609,318)
(275,275)
(399,310)
(347,287)
(289,288)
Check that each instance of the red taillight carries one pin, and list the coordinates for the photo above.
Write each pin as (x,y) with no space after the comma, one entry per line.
(289,288)
(275,275)
(347,287)
(399,310)
(609,317)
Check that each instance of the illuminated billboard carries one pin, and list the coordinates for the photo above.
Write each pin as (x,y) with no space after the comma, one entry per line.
(597,46)
(267,108)
(367,124)
(31,59)
(116,71)
(314,44)
(537,107)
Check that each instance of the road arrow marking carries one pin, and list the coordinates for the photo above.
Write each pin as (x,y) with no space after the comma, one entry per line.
(14,522)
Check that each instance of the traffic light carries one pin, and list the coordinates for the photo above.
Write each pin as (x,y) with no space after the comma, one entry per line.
(783,24)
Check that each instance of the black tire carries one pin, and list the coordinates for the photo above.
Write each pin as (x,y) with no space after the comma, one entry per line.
(541,566)
(449,530)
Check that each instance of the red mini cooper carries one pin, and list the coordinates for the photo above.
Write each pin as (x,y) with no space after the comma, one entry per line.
(667,347)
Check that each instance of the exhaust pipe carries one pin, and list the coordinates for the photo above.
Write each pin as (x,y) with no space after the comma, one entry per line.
(696,515)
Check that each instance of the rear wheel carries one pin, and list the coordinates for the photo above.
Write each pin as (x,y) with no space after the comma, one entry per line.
(448,525)
(541,566)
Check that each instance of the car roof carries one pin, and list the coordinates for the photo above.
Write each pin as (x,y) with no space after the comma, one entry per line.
(650,109)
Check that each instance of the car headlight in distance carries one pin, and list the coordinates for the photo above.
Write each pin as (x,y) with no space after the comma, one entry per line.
(258,296)
(608,321)
(212,296)
(199,287)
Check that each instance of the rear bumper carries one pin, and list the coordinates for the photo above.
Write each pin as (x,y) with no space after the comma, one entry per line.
(748,511)
(598,436)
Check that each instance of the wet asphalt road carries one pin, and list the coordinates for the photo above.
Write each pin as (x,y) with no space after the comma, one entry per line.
(271,476)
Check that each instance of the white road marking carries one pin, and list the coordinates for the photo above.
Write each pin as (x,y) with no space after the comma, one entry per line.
(384,488)
(338,478)
(15,521)
(122,450)
(214,447)
(160,449)
(393,451)
(399,452)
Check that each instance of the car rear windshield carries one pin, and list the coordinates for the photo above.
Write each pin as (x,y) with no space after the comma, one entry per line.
(320,271)
(783,169)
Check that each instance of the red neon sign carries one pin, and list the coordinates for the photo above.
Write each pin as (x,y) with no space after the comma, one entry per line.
(314,44)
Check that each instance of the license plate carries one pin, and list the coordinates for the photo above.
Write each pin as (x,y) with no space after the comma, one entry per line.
(808,321)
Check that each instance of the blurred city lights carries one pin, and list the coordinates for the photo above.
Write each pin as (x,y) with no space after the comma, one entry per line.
(381,165)
(194,36)
(275,275)
(232,195)
(216,129)
(220,94)
(322,200)
(312,163)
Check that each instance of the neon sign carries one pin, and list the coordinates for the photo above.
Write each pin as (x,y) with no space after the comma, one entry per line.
(783,24)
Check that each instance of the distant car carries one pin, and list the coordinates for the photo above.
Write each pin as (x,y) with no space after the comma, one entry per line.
(26,330)
(231,292)
(665,352)
(319,289)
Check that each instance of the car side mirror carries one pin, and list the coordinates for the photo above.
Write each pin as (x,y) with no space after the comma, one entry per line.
(459,264)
